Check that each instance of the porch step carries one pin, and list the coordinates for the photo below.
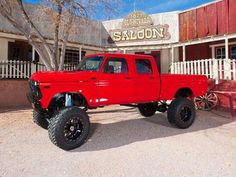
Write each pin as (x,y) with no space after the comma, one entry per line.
(211,84)
(226,86)
(227,101)
(226,92)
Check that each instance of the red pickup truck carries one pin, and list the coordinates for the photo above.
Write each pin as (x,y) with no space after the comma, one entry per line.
(61,99)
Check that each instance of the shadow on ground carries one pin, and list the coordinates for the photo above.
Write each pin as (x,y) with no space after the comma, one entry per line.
(125,110)
(117,134)
(121,126)
(14,109)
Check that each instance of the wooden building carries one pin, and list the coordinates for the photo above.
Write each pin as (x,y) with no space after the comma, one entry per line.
(201,40)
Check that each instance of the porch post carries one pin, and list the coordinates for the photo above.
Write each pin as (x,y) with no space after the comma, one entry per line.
(32,65)
(172,52)
(184,53)
(80,53)
(33,54)
(226,48)
(227,68)
(213,52)
(215,70)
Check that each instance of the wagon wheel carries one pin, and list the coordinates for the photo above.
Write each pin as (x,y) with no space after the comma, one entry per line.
(206,102)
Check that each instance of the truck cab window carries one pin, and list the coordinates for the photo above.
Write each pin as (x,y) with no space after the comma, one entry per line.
(90,64)
(116,66)
(143,66)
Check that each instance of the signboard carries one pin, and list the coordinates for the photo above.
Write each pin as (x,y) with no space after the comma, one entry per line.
(137,19)
(140,26)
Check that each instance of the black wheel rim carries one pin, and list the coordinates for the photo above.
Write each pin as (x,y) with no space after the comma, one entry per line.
(73,129)
(146,108)
(185,114)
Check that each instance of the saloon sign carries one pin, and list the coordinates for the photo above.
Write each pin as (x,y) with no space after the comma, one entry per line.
(139,26)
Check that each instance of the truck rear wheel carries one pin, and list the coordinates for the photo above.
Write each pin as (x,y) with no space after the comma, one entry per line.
(69,128)
(147,109)
(181,113)
(40,119)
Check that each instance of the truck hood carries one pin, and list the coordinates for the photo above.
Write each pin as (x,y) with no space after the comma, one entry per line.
(61,76)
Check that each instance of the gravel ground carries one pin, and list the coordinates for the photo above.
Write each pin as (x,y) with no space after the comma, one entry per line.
(122,143)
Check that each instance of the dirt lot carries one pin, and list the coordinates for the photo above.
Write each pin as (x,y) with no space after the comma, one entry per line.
(122,143)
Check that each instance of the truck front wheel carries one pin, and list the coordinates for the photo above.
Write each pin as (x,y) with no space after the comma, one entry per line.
(181,112)
(147,109)
(40,119)
(69,128)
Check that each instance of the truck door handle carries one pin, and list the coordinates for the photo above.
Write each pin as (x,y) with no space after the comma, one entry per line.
(152,77)
(93,78)
(128,78)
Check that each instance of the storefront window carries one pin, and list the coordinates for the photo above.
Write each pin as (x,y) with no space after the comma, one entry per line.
(220,53)
(16,53)
(233,52)
(72,56)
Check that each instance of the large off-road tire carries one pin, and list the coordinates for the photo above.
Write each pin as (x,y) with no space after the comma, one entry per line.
(69,128)
(40,119)
(181,113)
(147,109)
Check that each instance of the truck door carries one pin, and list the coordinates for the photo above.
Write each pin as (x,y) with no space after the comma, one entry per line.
(116,85)
(147,81)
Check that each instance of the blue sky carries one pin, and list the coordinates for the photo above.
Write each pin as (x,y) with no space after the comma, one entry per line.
(152,6)
(157,6)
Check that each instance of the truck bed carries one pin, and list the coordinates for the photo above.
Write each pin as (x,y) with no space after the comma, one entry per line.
(171,83)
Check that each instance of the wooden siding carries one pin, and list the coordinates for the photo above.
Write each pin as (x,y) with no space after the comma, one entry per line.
(193,52)
(214,19)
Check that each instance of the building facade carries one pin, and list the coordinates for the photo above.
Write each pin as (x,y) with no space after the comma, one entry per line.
(205,32)
(201,40)
(145,34)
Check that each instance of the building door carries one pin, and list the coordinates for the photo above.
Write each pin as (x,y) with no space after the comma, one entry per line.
(19,50)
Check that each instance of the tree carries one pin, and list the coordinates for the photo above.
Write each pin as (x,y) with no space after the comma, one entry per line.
(62,14)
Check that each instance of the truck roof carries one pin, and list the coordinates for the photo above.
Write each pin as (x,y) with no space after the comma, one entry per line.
(119,55)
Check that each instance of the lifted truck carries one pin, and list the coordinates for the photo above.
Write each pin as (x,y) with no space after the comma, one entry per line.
(61,99)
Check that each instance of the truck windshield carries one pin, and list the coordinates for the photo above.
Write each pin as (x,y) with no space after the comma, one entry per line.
(90,63)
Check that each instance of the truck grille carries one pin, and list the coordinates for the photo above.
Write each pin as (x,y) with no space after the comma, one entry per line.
(35,90)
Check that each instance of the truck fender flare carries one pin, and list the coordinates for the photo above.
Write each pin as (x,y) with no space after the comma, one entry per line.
(184,92)
(61,96)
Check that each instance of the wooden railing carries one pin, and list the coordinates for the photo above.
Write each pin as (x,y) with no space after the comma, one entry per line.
(11,69)
(218,69)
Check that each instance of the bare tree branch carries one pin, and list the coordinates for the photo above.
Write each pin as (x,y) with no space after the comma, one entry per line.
(66,35)
(29,37)
(62,13)
(34,28)
(56,33)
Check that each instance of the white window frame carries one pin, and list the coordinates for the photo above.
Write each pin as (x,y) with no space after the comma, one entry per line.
(221,45)
(221,55)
